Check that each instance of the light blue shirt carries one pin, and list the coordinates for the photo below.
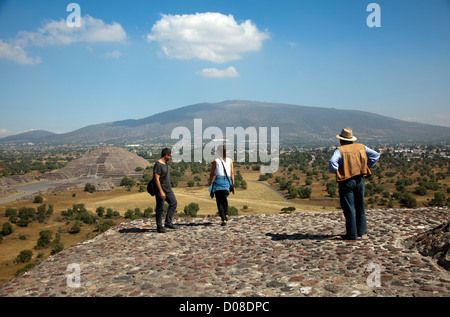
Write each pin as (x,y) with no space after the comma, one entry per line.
(336,159)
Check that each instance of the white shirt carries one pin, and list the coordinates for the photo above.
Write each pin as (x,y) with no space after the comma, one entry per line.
(219,167)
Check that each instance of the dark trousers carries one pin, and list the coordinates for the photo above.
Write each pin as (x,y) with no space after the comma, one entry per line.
(351,195)
(172,201)
(222,203)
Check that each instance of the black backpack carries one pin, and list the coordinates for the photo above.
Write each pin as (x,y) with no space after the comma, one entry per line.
(151,187)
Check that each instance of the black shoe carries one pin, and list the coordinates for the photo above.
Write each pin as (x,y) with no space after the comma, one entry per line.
(160,230)
(170,226)
(346,237)
(223,223)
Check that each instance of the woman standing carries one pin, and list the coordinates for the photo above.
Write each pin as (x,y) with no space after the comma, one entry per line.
(222,169)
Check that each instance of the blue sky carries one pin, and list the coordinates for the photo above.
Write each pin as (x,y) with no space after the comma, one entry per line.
(133,59)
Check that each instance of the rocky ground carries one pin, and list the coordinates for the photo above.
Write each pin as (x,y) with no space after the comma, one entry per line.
(286,255)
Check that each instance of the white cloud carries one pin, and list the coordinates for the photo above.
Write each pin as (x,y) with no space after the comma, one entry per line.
(92,30)
(16,53)
(206,36)
(217,73)
(114,54)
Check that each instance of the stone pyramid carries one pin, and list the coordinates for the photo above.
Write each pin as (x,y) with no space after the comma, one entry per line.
(105,162)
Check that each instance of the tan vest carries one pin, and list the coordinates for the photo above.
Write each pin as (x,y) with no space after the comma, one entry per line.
(354,162)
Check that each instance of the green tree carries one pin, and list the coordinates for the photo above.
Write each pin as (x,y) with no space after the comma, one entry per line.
(439,200)
(89,188)
(75,228)
(38,199)
(408,200)
(129,214)
(7,229)
(24,256)
(128,182)
(100,211)
(12,214)
(420,190)
(304,192)
(57,245)
(45,237)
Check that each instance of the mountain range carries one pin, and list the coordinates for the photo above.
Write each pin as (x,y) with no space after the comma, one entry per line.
(297,125)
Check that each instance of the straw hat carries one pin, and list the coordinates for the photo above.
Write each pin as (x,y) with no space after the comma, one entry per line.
(346,135)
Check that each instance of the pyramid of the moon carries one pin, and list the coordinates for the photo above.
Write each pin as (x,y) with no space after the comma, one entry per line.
(105,162)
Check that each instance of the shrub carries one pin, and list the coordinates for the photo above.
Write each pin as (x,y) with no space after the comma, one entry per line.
(331,188)
(41,213)
(38,199)
(26,215)
(137,213)
(23,222)
(12,214)
(24,256)
(89,188)
(7,229)
(49,211)
(127,181)
(75,228)
(148,212)
(408,200)
(233,211)
(109,213)
(439,200)
(45,237)
(105,225)
(421,190)
(191,209)
(304,192)
(129,214)
(86,217)
(293,192)
(100,211)
(25,268)
(57,247)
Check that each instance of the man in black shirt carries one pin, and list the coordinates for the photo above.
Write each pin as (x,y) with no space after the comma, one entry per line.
(164,192)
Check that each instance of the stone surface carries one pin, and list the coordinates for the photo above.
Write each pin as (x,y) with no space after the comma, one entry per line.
(434,243)
(105,162)
(287,255)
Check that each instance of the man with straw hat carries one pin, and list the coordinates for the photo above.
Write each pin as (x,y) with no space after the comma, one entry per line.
(352,162)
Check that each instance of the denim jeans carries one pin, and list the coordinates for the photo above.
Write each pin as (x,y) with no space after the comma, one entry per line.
(222,203)
(351,194)
(172,201)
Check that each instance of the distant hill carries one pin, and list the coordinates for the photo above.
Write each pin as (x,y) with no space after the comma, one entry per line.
(297,124)
(28,137)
